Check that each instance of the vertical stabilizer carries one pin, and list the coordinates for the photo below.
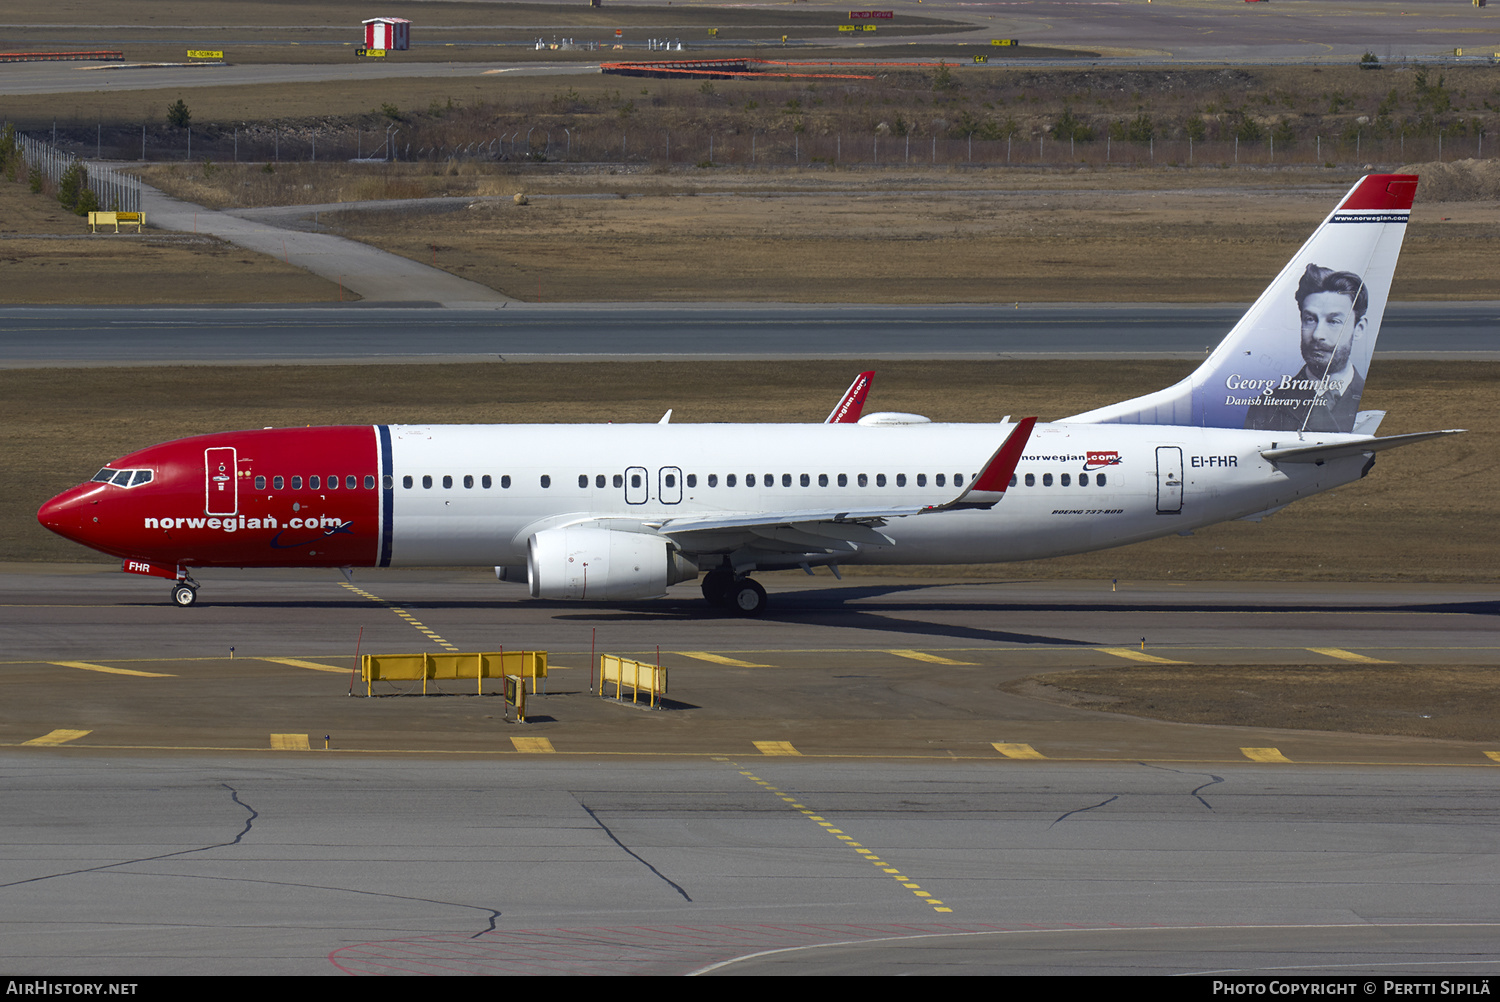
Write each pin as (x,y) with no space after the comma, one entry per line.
(852,404)
(1297,359)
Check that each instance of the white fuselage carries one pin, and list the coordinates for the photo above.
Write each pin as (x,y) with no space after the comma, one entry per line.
(1078,487)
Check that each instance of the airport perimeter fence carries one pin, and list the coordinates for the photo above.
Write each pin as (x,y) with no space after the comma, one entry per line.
(551,143)
(47,165)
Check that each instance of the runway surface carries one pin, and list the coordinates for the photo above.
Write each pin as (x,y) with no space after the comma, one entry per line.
(70,336)
(839,787)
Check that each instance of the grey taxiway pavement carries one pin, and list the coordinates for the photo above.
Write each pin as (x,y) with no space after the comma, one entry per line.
(68,336)
(841,786)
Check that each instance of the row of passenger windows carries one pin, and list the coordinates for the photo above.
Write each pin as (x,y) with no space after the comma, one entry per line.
(1064,480)
(351,482)
(669,480)
(134,478)
(637,480)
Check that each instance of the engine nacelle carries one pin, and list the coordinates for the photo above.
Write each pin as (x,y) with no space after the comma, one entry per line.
(584,562)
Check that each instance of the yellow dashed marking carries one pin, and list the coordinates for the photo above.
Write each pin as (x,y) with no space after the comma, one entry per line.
(434,637)
(1343,655)
(86,666)
(868,855)
(1264,754)
(776,748)
(312,665)
(535,745)
(1131,654)
(1016,750)
(932,659)
(57,737)
(720,659)
(290,742)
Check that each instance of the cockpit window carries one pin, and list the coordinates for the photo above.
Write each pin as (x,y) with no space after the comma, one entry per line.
(122,478)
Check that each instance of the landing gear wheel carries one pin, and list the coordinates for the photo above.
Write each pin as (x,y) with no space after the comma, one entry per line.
(746,598)
(184,595)
(716,585)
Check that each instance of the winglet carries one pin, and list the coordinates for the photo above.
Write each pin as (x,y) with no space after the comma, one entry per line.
(995,477)
(852,403)
(1002,465)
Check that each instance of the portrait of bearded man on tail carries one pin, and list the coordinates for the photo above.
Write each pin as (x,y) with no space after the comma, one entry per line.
(1324,394)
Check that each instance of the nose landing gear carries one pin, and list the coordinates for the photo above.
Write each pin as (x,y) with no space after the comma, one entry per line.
(185,592)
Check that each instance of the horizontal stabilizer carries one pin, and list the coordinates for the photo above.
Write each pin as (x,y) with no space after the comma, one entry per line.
(1343,450)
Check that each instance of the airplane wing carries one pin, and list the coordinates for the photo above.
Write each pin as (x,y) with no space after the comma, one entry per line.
(842,529)
(1324,451)
(852,403)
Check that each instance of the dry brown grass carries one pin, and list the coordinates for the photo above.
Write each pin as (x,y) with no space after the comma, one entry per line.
(1424,514)
(1445,702)
(905,238)
(857,235)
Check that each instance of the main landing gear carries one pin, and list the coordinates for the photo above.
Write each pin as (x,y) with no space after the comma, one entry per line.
(185,592)
(739,595)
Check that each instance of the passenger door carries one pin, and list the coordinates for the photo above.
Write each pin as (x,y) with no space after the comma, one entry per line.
(221,482)
(637,485)
(669,485)
(1168,480)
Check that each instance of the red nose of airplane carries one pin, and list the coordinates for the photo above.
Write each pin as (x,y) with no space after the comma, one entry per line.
(71,513)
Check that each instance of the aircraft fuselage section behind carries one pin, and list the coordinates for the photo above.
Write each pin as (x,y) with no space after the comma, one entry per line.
(474,495)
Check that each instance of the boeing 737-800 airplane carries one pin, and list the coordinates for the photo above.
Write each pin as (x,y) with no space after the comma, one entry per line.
(618,512)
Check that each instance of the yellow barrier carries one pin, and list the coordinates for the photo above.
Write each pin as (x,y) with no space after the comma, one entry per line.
(410,667)
(637,675)
(98,219)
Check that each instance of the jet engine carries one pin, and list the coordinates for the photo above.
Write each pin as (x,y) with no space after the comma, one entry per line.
(585,562)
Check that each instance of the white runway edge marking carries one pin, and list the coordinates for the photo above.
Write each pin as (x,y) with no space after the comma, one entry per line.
(1087,930)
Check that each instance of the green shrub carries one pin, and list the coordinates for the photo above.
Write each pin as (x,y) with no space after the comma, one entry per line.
(71,186)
